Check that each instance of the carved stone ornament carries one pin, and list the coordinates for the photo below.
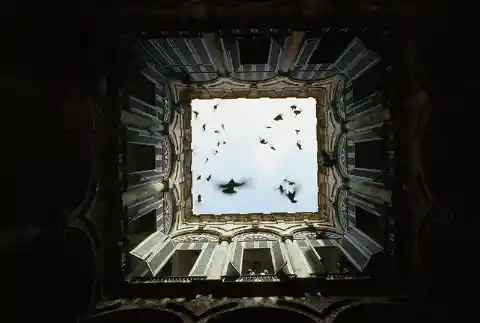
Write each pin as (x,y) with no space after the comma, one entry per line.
(251,236)
(304,235)
(195,237)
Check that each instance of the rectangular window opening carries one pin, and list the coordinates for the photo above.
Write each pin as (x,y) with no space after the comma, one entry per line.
(257,261)
(253,50)
(180,264)
(140,157)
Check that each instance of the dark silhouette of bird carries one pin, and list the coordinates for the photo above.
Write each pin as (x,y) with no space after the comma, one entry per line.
(218,144)
(224,142)
(203,127)
(199,198)
(297,131)
(293,107)
(196,114)
(216,131)
(199,177)
(215,107)
(263,141)
(209,178)
(223,127)
(229,188)
(215,152)
(268,127)
(297,112)
(206,159)
(288,182)
(291,196)
(299,145)
(327,160)
(279,117)
(281,189)
(272,147)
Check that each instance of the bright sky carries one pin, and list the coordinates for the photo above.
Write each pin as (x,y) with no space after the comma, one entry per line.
(243,157)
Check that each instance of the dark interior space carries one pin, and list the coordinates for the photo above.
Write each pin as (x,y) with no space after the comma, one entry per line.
(330,48)
(370,154)
(253,50)
(252,315)
(146,222)
(140,157)
(370,224)
(369,83)
(141,88)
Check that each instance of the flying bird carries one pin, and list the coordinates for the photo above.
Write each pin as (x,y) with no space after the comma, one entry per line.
(215,152)
(216,131)
(293,107)
(281,189)
(297,131)
(196,114)
(272,147)
(199,198)
(299,145)
(199,177)
(229,188)
(224,142)
(218,144)
(328,161)
(206,159)
(289,182)
(291,196)
(203,127)
(215,107)
(263,141)
(209,178)
(268,127)
(279,117)
(223,126)
(297,112)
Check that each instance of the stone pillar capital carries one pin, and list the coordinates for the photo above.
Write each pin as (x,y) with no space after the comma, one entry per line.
(225,239)
(287,237)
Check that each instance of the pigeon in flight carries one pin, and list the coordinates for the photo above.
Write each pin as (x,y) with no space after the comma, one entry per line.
(224,142)
(215,107)
(199,177)
(327,160)
(223,127)
(215,152)
(218,144)
(297,112)
(263,141)
(299,145)
(199,198)
(279,117)
(272,147)
(209,178)
(288,182)
(196,114)
(229,188)
(293,107)
(216,131)
(297,131)
(206,159)
(281,189)
(268,127)
(203,127)
(291,196)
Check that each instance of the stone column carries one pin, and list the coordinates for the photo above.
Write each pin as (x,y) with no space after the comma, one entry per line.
(219,259)
(143,192)
(294,253)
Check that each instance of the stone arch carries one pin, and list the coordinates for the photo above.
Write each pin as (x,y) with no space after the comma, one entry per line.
(302,232)
(275,314)
(338,102)
(342,208)
(168,155)
(256,235)
(373,312)
(341,155)
(215,236)
(169,212)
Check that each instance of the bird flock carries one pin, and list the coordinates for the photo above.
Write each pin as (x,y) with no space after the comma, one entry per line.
(286,188)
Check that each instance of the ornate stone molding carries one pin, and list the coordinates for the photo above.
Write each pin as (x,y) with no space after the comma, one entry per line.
(196,237)
(304,235)
(341,152)
(256,236)
(342,210)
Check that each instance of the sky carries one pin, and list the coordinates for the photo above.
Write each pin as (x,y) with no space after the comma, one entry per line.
(243,157)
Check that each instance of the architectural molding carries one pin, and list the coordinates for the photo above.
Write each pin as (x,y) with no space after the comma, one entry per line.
(256,236)
(195,237)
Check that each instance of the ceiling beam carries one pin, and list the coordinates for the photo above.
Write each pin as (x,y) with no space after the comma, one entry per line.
(291,50)
(216,53)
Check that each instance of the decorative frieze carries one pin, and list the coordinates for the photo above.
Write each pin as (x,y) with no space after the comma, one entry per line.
(194,237)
